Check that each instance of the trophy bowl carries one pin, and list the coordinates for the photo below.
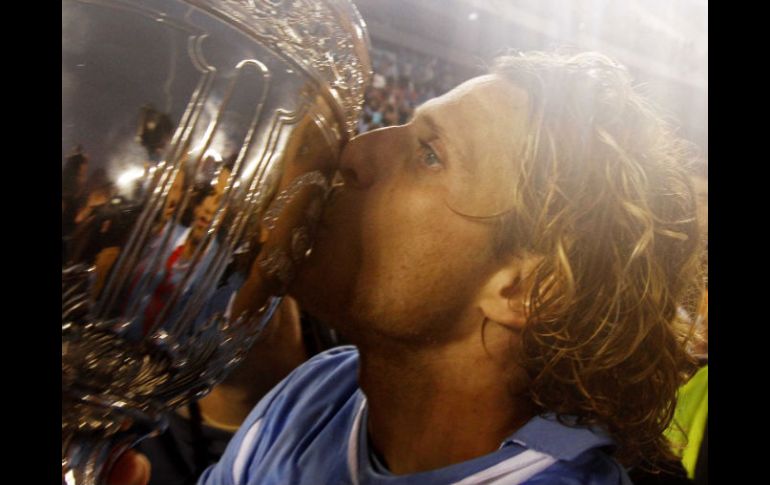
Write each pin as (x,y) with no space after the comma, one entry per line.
(199,143)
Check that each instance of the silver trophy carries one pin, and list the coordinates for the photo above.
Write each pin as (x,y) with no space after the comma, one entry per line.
(199,141)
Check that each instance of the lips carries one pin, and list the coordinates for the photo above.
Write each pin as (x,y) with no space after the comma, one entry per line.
(334,192)
(331,199)
(334,196)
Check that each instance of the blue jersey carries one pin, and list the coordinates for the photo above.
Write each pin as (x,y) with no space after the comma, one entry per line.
(311,430)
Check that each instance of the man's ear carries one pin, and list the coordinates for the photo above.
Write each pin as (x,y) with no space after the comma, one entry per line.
(503,299)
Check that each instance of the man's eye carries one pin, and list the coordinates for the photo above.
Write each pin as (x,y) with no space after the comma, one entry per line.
(429,157)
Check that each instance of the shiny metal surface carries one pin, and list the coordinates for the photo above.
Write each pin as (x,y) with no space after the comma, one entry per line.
(199,140)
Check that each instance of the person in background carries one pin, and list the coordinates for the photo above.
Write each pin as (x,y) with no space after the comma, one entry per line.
(689,429)
(74,175)
(85,240)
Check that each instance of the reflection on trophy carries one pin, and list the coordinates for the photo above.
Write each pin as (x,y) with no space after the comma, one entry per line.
(175,258)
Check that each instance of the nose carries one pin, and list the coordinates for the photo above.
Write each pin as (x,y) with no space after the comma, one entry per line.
(369,157)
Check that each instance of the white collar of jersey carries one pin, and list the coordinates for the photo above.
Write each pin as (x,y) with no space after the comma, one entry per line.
(508,472)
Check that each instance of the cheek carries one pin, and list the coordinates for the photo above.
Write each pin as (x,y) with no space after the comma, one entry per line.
(483,194)
(396,225)
(416,245)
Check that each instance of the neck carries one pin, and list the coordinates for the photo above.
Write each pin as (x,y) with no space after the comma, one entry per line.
(226,406)
(433,407)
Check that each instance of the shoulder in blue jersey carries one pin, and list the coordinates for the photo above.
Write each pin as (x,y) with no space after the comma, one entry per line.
(311,430)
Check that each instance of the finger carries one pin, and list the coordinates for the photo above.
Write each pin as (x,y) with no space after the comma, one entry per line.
(132,468)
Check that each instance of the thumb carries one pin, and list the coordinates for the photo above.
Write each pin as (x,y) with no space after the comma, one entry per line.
(132,468)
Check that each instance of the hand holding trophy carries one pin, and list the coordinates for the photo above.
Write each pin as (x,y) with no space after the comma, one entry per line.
(182,231)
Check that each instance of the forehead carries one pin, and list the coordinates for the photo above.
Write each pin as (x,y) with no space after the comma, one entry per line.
(221,182)
(484,117)
(484,92)
(484,95)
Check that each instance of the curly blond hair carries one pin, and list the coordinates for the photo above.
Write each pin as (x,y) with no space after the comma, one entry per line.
(603,195)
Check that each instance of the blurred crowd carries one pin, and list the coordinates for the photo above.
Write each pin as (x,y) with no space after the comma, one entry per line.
(402,81)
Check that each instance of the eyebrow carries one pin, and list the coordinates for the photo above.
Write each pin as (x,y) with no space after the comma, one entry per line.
(429,120)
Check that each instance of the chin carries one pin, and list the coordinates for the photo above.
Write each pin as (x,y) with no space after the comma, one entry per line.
(310,292)
(324,282)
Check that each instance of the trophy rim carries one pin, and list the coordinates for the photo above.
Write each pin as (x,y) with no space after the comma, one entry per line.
(348,18)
